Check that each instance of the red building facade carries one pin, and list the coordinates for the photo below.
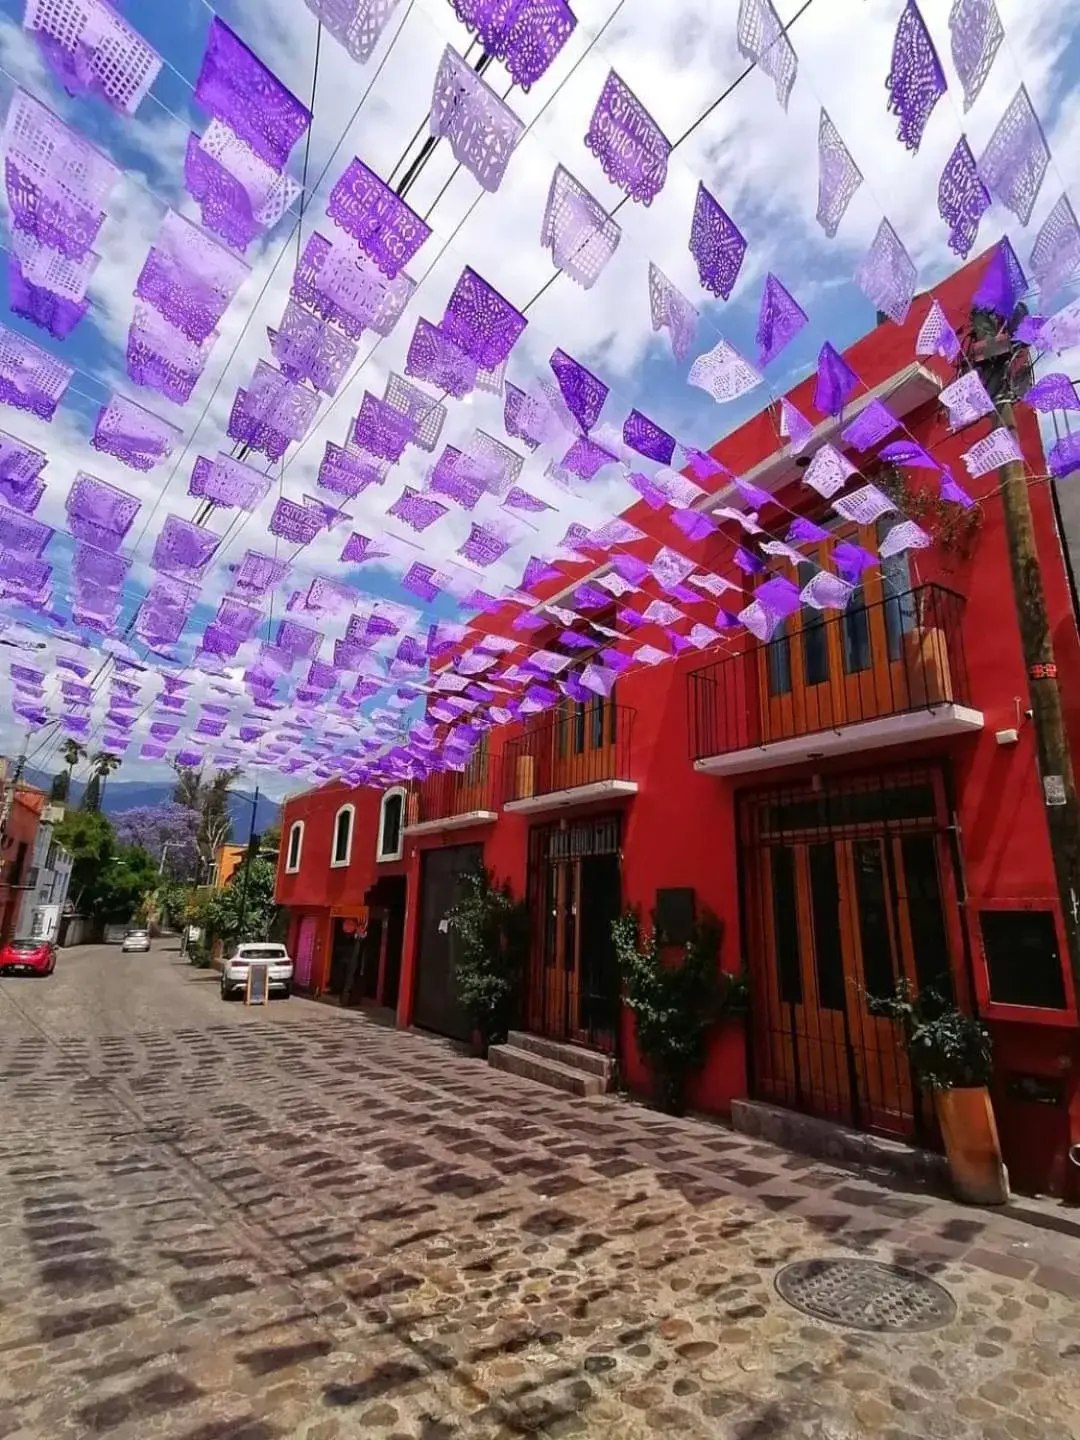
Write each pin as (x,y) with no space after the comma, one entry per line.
(857,801)
(17,853)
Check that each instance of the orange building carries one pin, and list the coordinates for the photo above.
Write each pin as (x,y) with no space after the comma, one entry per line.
(227,860)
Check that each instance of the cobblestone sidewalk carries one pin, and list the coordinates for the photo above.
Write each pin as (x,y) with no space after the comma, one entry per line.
(255,1224)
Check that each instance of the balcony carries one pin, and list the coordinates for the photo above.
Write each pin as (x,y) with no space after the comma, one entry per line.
(579,755)
(878,675)
(455,799)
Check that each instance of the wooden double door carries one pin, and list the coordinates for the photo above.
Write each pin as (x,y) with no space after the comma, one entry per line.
(846,896)
(575,892)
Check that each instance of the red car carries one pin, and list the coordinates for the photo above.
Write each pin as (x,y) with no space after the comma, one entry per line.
(33,957)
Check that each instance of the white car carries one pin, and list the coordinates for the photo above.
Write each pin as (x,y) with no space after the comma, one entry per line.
(135,941)
(234,973)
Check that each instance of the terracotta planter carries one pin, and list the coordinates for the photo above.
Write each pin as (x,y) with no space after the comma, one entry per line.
(972,1146)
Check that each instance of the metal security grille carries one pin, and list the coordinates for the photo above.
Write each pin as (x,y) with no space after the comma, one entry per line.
(848,887)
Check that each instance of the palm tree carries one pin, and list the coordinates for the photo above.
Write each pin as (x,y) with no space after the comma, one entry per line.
(102,766)
(72,752)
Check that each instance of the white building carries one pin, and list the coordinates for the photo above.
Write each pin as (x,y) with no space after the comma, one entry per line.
(46,882)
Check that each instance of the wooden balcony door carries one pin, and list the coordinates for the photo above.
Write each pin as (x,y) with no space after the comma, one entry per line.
(583,742)
(823,668)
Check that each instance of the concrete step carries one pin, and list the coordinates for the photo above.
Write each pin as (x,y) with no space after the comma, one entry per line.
(826,1140)
(574,1056)
(530,1066)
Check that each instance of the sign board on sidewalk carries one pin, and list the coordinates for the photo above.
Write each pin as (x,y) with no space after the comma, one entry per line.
(257,991)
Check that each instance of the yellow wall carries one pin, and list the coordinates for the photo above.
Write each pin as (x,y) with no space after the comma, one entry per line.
(226,863)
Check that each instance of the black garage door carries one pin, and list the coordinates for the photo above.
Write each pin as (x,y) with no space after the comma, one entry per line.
(437,1005)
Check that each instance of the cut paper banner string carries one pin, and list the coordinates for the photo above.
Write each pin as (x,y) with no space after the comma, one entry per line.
(483,132)
(838,176)
(887,276)
(134,436)
(580,234)
(724,374)
(717,245)
(1055,255)
(963,199)
(780,319)
(92,51)
(764,42)
(672,311)
(632,149)
(355,24)
(1016,158)
(916,81)
(975,36)
(526,36)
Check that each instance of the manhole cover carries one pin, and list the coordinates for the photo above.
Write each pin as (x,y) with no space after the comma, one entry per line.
(866,1295)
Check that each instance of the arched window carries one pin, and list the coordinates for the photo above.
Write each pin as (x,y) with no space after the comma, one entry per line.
(392,825)
(295,847)
(342,844)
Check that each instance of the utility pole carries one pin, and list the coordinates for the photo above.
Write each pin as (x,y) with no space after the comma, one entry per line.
(247,865)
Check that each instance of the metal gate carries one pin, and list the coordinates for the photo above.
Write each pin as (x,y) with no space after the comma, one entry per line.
(847,887)
(437,1005)
(574,894)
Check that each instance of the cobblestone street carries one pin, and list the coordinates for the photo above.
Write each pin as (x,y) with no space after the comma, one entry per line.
(219,1222)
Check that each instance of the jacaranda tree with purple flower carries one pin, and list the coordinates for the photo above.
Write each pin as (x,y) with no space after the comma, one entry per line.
(168,832)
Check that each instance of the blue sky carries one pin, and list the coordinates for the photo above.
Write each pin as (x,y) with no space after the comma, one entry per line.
(757,159)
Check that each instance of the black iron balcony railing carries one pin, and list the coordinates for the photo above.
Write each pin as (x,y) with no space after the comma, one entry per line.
(580,745)
(824,670)
(455,793)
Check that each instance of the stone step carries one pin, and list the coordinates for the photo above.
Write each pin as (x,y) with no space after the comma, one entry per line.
(574,1056)
(530,1066)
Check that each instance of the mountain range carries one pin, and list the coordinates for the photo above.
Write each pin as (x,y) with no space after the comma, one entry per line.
(121,795)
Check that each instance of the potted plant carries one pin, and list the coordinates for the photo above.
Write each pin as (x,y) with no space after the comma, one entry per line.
(676,1001)
(952,1058)
(491,935)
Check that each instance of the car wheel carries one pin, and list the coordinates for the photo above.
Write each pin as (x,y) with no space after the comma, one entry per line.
(286,992)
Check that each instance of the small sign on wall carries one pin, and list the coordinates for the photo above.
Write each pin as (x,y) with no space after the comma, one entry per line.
(257,991)
(1054,789)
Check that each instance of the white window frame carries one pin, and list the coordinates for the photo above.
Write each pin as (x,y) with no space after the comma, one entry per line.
(296,828)
(381,857)
(335,863)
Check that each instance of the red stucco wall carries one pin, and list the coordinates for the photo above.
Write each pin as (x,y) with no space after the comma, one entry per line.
(679,828)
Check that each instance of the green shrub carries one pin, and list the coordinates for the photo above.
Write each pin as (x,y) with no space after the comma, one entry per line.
(948,1049)
(491,950)
(676,1003)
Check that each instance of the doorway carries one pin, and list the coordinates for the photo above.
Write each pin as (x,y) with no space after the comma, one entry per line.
(437,1006)
(575,893)
(847,889)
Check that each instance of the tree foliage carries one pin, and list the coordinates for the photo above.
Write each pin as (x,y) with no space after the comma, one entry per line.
(155,827)
(231,915)
(208,798)
(675,1003)
(491,930)
(109,880)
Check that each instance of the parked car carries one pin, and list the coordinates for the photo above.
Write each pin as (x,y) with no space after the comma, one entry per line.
(135,941)
(28,957)
(234,972)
